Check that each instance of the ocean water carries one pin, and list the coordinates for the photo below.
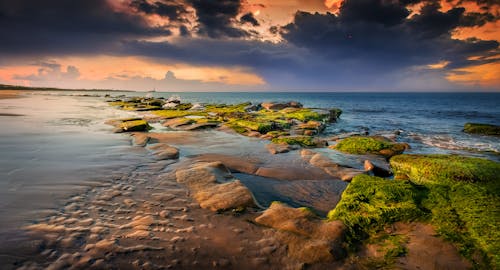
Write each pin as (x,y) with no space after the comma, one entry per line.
(430,122)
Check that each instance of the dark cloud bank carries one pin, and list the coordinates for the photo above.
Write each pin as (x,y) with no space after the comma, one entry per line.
(369,44)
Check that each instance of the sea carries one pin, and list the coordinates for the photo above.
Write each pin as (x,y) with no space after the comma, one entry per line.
(55,143)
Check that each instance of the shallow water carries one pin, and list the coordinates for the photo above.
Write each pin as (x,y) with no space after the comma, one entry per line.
(56,147)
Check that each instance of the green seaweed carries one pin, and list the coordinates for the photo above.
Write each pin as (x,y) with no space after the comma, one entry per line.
(304,141)
(362,145)
(483,129)
(135,125)
(262,127)
(369,203)
(168,114)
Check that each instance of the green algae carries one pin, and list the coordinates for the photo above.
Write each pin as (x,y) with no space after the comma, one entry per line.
(445,168)
(135,125)
(362,145)
(482,129)
(304,141)
(262,127)
(464,198)
(168,114)
(369,203)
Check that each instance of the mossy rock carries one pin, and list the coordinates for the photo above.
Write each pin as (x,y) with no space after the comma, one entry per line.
(370,145)
(439,168)
(304,141)
(135,125)
(463,197)
(369,203)
(168,114)
(482,129)
(262,127)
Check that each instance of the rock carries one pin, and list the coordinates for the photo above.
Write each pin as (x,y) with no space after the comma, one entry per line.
(330,167)
(482,129)
(202,175)
(278,148)
(225,196)
(377,170)
(177,122)
(371,145)
(233,163)
(309,239)
(200,126)
(209,184)
(140,139)
(164,151)
(274,106)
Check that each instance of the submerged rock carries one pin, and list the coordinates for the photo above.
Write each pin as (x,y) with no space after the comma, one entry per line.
(164,151)
(309,239)
(278,148)
(482,129)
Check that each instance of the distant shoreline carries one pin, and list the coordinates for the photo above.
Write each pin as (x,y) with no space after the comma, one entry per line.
(28,88)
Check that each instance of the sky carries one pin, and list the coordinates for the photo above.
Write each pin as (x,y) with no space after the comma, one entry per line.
(252,45)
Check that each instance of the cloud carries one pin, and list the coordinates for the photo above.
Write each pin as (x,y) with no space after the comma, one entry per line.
(51,72)
(249,18)
(173,10)
(217,18)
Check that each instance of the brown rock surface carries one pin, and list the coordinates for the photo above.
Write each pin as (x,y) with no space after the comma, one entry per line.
(309,238)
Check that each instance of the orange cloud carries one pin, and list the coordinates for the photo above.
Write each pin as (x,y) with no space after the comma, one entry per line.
(487,75)
(98,68)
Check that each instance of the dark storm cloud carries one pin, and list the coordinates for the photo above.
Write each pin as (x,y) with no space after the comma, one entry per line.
(216,18)
(385,39)
(61,26)
(249,18)
(173,10)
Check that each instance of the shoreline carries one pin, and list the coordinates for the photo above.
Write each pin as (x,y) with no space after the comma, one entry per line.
(154,217)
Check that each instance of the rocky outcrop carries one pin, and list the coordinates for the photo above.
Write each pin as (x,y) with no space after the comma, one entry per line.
(276,106)
(214,188)
(482,129)
(308,238)
(325,163)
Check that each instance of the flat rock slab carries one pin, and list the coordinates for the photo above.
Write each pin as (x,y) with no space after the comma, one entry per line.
(309,239)
(214,187)
(163,151)
(330,167)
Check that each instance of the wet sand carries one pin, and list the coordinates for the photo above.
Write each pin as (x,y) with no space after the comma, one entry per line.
(5,94)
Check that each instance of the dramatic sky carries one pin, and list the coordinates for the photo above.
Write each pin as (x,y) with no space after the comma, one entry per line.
(252,45)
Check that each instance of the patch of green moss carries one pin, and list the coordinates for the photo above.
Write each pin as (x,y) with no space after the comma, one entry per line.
(303,115)
(236,128)
(168,114)
(464,198)
(445,168)
(305,141)
(223,108)
(362,145)
(369,203)
(277,133)
(483,129)
(135,125)
(262,127)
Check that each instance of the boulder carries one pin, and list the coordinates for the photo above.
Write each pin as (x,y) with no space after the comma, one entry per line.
(275,106)
(278,148)
(377,169)
(132,125)
(482,129)
(308,238)
(224,196)
(214,187)
(335,170)
(140,139)
(164,151)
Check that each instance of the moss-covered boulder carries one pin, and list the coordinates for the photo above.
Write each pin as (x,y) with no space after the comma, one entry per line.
(370,145)
(482,129)
(463,197)
(129,125)
(304,141)
(369,203)
(445,169)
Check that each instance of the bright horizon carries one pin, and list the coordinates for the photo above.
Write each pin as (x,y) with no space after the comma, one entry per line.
(253,46)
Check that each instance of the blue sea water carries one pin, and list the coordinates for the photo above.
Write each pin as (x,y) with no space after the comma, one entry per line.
(430,122)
